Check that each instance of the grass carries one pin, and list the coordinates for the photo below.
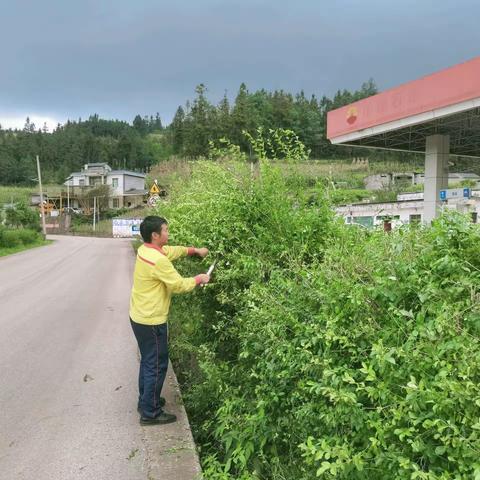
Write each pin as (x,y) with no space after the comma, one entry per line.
(20,248)
(13,194)
(104,227)
(169,172)
(340,172)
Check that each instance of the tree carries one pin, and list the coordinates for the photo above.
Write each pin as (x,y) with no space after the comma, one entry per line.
(102,193)
(223,127)
(242,118)
(21,216)
(29,127)
(197,133)
(177,128)
(140,125)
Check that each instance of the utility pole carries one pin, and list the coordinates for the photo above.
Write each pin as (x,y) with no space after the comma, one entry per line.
(68,196)
(42,206)
(94,210)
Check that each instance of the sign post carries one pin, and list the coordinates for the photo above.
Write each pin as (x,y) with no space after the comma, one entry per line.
(153,194)
(44,228)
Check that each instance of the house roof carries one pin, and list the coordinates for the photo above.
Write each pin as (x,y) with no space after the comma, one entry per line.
(112,172)
(127,172)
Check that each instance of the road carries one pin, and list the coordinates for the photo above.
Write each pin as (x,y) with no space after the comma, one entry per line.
(68,364)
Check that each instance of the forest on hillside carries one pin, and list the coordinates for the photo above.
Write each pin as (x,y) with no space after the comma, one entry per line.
(146,142)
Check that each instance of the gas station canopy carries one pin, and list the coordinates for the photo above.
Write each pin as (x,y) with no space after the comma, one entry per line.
(445,103)
(438,114)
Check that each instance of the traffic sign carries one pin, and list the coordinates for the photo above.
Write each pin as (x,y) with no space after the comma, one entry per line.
(455,193)
(152,200)
(154,189)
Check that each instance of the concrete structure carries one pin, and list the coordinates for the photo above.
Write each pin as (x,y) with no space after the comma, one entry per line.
(438,114)
(373,214)
(408,208)
(382,181)
(127,188)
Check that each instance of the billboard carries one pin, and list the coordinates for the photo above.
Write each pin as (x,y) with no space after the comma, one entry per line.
(126,227)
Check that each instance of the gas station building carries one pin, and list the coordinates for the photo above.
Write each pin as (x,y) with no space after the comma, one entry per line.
(438,115)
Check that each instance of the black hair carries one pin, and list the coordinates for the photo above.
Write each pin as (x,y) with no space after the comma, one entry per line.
(151,224)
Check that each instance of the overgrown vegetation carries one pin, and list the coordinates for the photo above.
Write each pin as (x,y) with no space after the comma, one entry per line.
(322,351)
(17,237)
(21,215)
(19,229)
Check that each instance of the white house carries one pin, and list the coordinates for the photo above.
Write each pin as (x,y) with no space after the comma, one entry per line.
(407,209)
(128,188)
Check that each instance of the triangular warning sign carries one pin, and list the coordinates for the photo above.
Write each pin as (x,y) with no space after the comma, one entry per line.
(154,189)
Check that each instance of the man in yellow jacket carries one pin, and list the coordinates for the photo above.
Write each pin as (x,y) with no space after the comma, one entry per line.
(154,281)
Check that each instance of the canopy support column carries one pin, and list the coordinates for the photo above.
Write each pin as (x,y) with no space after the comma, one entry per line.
(437,152)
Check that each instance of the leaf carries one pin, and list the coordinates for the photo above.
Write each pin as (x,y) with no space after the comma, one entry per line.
(323,468)
(406,313)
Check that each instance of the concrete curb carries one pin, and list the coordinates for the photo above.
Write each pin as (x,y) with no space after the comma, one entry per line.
(170,449)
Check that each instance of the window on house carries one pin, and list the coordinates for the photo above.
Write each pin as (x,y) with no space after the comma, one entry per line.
(366,221)
(81,182)
(415,218)
(382,218)
(116,203)
(114,183)
(474,217)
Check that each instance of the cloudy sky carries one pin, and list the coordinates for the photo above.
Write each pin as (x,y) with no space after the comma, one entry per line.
(65,59)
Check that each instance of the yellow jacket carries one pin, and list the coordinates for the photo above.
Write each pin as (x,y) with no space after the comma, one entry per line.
(154,281)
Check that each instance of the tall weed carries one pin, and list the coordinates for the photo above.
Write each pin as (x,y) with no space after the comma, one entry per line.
(321,351)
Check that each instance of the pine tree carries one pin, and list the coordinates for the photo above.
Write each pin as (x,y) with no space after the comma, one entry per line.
(177,128)
(242,118)
(223,126)
(197,133)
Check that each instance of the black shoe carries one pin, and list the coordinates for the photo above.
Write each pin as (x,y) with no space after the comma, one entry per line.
(161,403)
(161,419)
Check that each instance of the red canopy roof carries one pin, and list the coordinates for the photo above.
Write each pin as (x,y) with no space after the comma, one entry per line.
(442,94)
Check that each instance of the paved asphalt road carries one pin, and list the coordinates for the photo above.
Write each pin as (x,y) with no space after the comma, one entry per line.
(68,364)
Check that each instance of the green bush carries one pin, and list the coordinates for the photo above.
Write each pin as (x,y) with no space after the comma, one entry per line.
(81,219)
(17,237)
(322,351)
(28,236)
(113,213)
(10,238)
(22,216)
(346,196)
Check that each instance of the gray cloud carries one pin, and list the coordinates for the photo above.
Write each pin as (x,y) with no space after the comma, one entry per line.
(118,57)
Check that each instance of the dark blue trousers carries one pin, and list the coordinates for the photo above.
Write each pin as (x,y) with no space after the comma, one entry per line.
(153,344)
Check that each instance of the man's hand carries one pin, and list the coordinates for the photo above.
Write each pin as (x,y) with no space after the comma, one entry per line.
(201,252)
(203,278)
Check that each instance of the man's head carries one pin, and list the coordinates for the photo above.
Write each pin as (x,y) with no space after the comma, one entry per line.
(154,230)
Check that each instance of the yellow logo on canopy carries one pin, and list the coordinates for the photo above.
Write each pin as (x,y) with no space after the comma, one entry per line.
(352,114)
